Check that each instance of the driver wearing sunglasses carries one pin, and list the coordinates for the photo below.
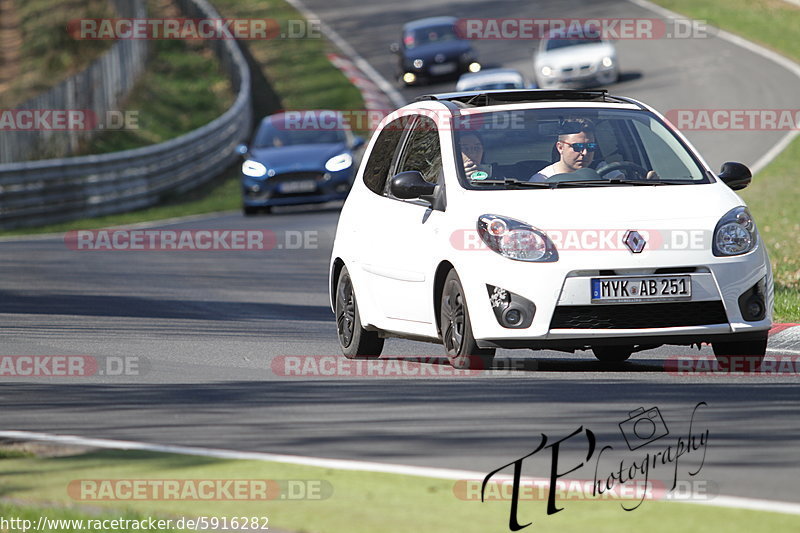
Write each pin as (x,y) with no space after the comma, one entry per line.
(576,147)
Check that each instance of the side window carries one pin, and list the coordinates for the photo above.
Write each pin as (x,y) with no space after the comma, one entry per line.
(422,151)
(380,159)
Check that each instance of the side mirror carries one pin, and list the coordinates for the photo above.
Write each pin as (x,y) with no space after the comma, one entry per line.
(409,185)
(242,149)
(394,48)
(358,142)
(735,175)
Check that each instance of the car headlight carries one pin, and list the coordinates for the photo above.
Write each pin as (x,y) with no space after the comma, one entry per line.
(547,71)
(735,233)
(253,169)
(339,162)
(516,240)
(418,63)
(607,61)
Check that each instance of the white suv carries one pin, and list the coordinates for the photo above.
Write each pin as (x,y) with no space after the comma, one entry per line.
(633,244)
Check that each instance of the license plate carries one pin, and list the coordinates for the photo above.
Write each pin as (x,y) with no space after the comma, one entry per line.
(298,186)
(444,68)
(641,289)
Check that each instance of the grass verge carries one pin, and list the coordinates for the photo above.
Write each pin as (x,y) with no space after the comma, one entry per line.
(47,52)
(182,89)
(774,196)
(339,501)
(297,69)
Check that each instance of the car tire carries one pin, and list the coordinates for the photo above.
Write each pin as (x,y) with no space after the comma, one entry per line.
(745,356)
(612,354)
(354,340)
(456,328)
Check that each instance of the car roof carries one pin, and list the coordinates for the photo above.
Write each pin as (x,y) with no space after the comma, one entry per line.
(490,73)
(520,96)
(430,21)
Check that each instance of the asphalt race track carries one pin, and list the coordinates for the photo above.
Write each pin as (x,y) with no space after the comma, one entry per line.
(210,332)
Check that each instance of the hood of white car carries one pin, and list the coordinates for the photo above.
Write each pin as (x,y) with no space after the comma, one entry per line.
(585,53)
(609,207)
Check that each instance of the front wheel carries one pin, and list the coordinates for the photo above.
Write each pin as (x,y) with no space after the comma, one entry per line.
(462,350)
(745,356)
(355,341)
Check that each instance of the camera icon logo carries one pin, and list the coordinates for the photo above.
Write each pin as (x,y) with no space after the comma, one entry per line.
(643,427)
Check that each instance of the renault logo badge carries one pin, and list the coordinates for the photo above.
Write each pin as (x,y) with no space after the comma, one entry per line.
(634,241)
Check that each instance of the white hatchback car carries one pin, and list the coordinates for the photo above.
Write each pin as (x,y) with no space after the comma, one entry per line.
(642,246)
(575,60)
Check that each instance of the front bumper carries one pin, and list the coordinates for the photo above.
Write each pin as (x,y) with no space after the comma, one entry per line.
(296,188)
(566,318)
(579,76)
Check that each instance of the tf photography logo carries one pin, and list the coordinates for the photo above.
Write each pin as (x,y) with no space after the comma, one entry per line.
(642,428)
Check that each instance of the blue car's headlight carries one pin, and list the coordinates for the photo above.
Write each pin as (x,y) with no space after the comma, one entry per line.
(253,169)
(339,162)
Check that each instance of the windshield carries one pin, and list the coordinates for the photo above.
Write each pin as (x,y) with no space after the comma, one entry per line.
(554,44)
(431,34)
(572,147)
(287,133)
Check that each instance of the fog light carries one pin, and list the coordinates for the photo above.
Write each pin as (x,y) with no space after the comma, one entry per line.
(755,308)
(255,188)
(409,77)
(474,67)
(512,317)
(752,303)
(511,310)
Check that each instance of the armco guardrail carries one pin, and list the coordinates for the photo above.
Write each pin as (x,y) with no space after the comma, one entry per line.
(100,88)
(56,190)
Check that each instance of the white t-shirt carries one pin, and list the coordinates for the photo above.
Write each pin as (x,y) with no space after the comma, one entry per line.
(550,170)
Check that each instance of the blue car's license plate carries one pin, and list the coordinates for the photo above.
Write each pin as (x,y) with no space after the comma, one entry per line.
(298,186)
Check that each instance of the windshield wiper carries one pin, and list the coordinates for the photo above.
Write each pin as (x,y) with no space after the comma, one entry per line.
(649,182)
(512,182)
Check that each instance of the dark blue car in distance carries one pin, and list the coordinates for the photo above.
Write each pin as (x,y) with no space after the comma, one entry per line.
(298,157)
(432,48)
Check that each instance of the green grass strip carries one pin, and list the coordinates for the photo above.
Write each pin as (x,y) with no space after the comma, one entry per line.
(357,502)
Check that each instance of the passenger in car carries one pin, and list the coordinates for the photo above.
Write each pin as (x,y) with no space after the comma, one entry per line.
(472,156)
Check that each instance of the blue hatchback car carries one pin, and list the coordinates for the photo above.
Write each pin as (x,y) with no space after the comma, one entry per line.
(298,157)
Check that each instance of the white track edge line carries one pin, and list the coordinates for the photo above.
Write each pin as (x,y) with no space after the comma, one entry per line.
(775,57)
(362,466)
(368,70)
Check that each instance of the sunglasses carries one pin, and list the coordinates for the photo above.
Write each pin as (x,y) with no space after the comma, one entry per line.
(580,147)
